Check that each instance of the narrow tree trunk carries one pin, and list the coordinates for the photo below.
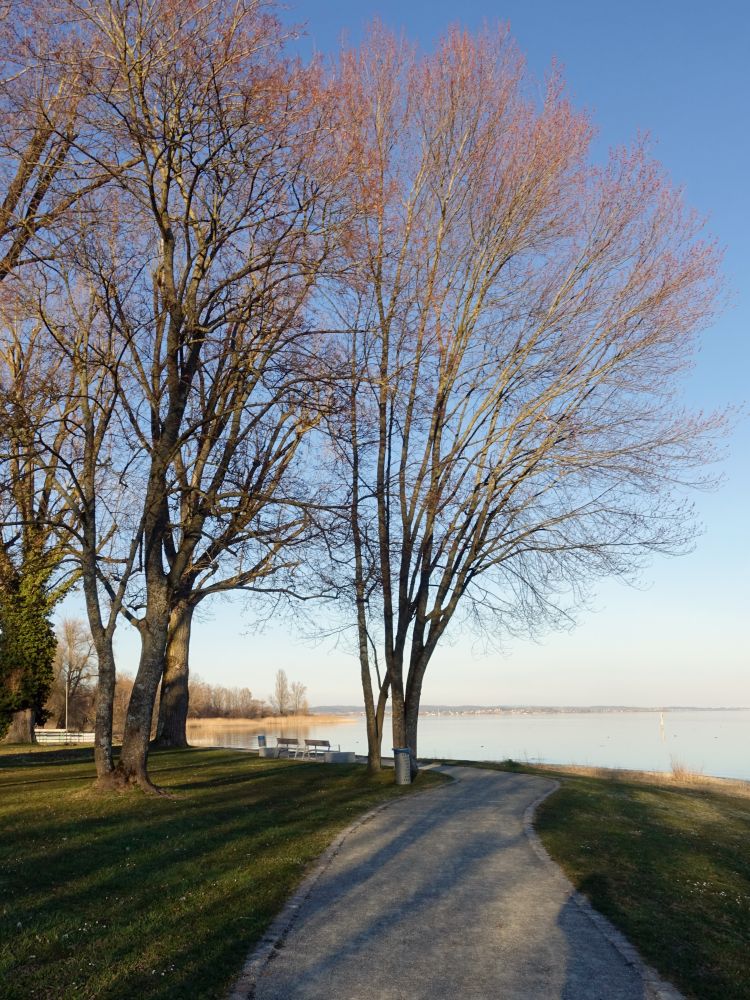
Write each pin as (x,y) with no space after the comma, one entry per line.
(412,719)
(173,705)
(375,730)
(105,699)
(373,744)
(372,715)
(133,764)
(375,722)
(400,738)
(21,727)
(419,661)
(106,669)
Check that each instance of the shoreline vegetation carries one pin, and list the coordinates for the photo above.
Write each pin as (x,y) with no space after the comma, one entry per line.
(269,721)
(679,777)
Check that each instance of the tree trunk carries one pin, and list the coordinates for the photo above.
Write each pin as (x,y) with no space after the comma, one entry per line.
(373,713)
(106,669)
(412,719)
(132,766)
(412,701)
(21,727)
(375,730)
(173,705)
(375,719)
(105,699)
(398,718)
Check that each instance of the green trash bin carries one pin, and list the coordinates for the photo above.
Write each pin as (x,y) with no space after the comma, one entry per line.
(402,758)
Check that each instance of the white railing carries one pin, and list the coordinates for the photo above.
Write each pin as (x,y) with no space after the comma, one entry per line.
(62,736)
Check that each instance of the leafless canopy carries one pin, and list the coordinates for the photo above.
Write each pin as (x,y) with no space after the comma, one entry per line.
(518,319)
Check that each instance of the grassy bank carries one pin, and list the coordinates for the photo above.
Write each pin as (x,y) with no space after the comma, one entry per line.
(667,859)
(124,895)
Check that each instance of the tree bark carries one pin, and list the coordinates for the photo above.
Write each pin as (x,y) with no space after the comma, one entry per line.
(106,668)
(21,727)
(375,731)
(411,722)
(398,716)
(105,698)
(174,702)
(132,767)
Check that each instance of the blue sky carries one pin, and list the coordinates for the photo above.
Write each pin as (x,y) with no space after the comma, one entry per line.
(680,71)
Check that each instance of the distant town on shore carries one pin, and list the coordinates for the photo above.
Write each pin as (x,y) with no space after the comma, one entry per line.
(534,709)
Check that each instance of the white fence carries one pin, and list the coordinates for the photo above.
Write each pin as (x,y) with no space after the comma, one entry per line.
(61,736)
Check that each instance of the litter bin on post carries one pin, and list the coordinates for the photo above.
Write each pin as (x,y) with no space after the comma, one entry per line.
(261,740)
(402,758)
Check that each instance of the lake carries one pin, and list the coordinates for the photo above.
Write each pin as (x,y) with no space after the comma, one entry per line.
(715,743)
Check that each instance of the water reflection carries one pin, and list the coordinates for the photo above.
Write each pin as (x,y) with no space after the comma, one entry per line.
(342,735)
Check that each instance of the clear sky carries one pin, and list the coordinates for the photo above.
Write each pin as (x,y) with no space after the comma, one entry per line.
(678,69)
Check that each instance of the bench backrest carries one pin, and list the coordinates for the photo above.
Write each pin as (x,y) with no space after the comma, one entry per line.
(287,741)
(317,743)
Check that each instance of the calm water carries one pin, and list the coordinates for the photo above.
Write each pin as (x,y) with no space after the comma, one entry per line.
(715,743)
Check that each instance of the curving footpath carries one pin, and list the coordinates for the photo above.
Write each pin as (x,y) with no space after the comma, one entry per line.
(446,894)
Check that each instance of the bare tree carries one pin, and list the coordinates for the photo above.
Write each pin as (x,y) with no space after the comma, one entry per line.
(281,699)
(217,230)
(298,698)
(234,488)
(43,174)
(75,667)
(37,127)
(51,167)
(519,319)
(98,469)
(215,701)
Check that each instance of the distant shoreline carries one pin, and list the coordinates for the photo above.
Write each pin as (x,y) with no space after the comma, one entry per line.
(333,715)
(271,721)
(456,710)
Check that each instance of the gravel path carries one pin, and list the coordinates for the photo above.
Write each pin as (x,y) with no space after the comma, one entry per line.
(446,894)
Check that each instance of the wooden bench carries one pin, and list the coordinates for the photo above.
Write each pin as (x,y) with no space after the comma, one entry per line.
(62,736)
(289,744)
(315,747)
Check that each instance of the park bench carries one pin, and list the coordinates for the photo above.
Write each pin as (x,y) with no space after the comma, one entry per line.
(315,747)
(289,744)
(62,736)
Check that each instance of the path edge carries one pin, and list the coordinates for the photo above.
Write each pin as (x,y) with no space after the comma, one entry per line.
(278,930)
(655,987)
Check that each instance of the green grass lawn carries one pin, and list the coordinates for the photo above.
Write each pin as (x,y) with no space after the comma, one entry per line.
(124,895)
(670,866)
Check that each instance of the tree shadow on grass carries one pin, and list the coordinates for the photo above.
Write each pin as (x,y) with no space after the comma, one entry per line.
(126,895)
